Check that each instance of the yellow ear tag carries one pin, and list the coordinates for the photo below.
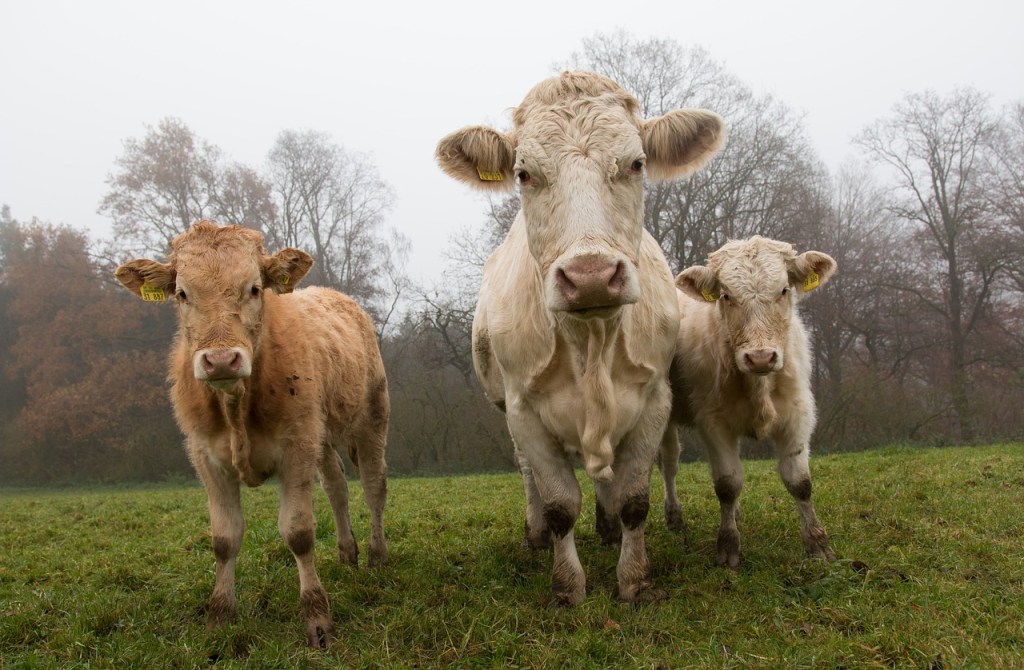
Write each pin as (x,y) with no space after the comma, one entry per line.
(152,293)
(811,281)
(490,176)
(284,279)
(708,295)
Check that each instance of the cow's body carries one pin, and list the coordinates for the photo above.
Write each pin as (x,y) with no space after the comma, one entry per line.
(742,369)
(267,384)
(576,319)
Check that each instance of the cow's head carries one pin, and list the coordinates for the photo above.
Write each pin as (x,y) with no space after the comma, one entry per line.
(579,152)
(218,277)
(756,284)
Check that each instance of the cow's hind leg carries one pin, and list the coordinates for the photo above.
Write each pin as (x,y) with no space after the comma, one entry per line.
(227,526)
(332,478)
(668,463)
(606,517)
(536,534)
(297,526)
(727,475)
(795,470)
(373,470)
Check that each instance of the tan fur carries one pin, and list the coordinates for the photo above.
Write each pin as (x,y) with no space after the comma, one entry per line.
(576,380)
(757,283)
(317,384)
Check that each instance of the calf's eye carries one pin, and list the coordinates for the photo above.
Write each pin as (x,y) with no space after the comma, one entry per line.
(638,165)
(523,176)
(180,295)
(255,291)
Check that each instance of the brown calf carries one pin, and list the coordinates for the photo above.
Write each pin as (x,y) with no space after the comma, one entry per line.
(266,381)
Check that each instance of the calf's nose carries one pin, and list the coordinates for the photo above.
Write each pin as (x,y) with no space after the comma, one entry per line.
(591,281)
(221,363)
(761,361)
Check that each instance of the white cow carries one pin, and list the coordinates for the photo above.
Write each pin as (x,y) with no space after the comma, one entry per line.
(576,321)
(743,368)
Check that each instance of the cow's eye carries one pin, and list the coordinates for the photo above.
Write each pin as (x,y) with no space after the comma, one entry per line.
(726,298)
(255,291)
(785,292)
(181,295)
(523,176)
(637,166)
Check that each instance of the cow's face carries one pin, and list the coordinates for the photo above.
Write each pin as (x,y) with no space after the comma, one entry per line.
(579,153)
(218,277)
(756,284)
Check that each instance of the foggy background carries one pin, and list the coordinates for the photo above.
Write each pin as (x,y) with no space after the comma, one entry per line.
(111,111)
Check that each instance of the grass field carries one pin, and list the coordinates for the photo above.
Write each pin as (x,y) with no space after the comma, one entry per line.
(930,574)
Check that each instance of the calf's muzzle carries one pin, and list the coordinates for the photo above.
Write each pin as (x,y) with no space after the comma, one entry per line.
(213,365)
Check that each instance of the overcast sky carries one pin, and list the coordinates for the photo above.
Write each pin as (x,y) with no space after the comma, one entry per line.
(390,79)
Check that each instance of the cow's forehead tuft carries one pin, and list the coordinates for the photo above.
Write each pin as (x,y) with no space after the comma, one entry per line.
(754,266)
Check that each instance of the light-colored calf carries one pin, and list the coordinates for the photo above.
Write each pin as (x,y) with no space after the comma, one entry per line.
(577,317)
(742,369)
(271,384)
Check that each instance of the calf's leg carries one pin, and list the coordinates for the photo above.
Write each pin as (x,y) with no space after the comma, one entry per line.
(727,475)
(227,526)
(332,478)
(297,526)
(795,471)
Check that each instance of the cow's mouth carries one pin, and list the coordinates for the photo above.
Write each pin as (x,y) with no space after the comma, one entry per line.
(599,312)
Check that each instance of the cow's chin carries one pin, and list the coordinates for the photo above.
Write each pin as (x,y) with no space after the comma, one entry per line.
(592,313)
(232,387)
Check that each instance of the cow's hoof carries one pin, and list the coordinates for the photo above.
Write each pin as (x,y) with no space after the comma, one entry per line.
(319,636)
(639,594)
(378,556)
(816,544)
(729,548)
(674,519)
(220,611)
(348,555)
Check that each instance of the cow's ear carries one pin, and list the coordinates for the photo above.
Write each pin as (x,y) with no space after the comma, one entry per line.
(810,270)
(700,283)
(150,280)
(479,156)
(681,141)
(285,269)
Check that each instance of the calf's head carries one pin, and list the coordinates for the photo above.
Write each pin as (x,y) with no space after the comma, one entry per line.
(218,276)
(756,284)
(578,151)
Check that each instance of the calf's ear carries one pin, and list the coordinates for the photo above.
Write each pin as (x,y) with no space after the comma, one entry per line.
(700,283)
(810,270)
(149,280)
(479,156)
(285,269)
(681,141)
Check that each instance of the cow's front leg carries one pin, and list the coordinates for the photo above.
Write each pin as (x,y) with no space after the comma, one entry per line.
(795,470)
(297,526)
(634,461)
(227,526)
(559,492)
(668,463)
(727,475)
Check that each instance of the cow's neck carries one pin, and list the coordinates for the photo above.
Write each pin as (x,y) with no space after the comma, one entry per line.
(235,408)
(592,353)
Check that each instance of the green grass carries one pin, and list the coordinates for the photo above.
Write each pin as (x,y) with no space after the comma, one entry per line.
(930,575)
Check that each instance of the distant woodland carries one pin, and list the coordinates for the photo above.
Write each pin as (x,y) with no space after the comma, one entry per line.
(918,339)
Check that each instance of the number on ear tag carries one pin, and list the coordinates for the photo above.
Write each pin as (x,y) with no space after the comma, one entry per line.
(152,293)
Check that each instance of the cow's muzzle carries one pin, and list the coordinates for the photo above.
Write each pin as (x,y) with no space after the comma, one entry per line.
(760,361)
(218,365)
(593,283)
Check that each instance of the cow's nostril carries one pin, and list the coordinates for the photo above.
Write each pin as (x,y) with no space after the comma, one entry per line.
(618,279)
(565,285)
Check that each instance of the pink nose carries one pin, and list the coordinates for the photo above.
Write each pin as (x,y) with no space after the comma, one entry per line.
(761,361)
(591,281)
(221,363)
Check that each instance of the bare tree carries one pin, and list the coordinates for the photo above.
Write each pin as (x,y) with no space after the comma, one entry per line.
(331,202)
(933,146)
(171,178)
(761,182)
